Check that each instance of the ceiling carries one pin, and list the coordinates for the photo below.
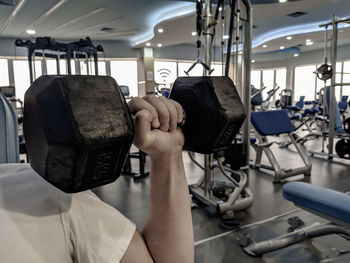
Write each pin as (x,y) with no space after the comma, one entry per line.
(137,21)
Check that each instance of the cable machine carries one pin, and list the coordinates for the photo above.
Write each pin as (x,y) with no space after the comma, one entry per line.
(240,39)
(325,72)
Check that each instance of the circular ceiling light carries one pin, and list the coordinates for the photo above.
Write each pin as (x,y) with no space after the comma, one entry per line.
(159,45)
(282,1)
(264,46)
(253,61)
(148,44)
(310,43)
(296,55)
(225,36)
(289,38)
(31,31)
(160,30)
(194,33)
(281,47)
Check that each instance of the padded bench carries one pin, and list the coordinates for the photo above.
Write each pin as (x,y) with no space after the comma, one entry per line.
(321,200)
(333,205)
(269,123)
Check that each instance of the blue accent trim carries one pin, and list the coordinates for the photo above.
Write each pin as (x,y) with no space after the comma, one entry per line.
(290,31)
(174,10)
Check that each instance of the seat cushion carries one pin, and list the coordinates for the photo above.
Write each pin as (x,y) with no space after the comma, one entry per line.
(322,200)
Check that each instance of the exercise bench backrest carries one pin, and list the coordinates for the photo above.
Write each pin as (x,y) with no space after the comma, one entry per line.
(272,122)
(343,104)
(9,144)
(300,103)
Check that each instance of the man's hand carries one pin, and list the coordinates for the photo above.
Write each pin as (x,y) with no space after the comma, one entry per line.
(156,131)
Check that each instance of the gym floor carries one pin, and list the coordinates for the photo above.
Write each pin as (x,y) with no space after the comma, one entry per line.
(267,218)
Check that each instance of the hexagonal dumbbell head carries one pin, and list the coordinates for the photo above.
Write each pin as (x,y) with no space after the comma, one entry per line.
(214,112)
(78,130)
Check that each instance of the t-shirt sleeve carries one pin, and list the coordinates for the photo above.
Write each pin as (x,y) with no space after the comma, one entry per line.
(94,231)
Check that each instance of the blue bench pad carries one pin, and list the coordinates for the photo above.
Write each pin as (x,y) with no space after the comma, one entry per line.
(271,122)
(322,200)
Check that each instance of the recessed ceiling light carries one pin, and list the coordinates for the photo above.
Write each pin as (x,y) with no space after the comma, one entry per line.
(31,31)
(159,45)
(240,52)
(225,36)
(289,38)
(264,46)
(148,44)
(296,55)
(283,1)
(308,40)
(309,43)
(220,9)
(281,47)
(194,33)
(160,30)
(253,60)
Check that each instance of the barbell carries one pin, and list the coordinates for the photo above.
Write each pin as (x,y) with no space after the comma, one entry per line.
(78,129)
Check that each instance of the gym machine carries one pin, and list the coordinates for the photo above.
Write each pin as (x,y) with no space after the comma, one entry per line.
(47,47)
(208,191)
(325,72)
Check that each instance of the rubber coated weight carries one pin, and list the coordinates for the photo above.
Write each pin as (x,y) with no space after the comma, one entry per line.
(78,130)
(347,125)
(342,148)
(214,112)
(324,72)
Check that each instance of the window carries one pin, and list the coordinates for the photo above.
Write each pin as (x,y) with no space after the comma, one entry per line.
(255,80)
(37,69)
(51,67)
(184,66)
(304,82)
(22,80)
(83,68)
(268,81)
(165,72)
(281,78)
(217,70)
(346,78)
(4,73)
(101,68)
(125,73)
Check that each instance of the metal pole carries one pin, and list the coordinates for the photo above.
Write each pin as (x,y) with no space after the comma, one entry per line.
(237,38)
(44,63)
(30,63)
(325,45)
(96,63)
(332,87)
(207,157)
(58,63)
(68,59)
(87,64)
(246,92)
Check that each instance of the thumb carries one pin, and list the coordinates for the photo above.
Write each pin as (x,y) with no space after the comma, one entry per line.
(143,134)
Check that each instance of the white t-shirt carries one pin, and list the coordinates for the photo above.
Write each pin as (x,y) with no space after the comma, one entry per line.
(41,224)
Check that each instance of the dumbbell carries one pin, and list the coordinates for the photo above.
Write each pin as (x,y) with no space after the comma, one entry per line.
(78,129)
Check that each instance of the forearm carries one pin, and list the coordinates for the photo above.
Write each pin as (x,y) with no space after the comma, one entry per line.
(168,229)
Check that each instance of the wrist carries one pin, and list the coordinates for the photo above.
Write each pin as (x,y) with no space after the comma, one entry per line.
(168,156)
